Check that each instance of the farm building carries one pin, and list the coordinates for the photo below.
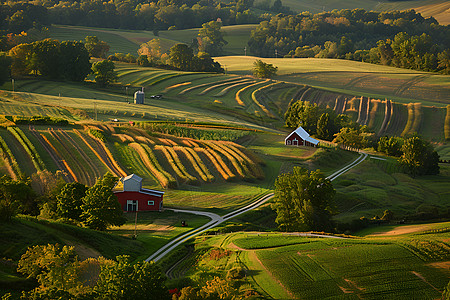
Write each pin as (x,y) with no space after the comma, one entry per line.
(135,198)
(299,137)
(139,97)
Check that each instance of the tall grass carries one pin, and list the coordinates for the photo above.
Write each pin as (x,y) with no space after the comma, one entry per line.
(196,162)
(237,166)
(447,124)
(29,147)
(175,163)
(66,165)
(148,157)
(9,159)
(414,118)
(218,163)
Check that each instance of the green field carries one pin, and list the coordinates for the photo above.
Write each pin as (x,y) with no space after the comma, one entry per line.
(123,41)
(283,266)
(435,8)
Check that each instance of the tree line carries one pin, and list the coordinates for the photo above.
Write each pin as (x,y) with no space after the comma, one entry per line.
(18,16)
(402,39)
(47,194)
(416,155)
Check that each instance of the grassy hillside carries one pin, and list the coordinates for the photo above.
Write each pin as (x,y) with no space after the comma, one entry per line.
(123,41)
(436,8)
(284,266)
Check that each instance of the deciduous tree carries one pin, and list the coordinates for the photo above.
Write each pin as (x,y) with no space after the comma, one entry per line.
(304,201)
(70,200)
(100,206)
(104,72)
(212,40)
(419,157)
(95,47)
(123,280)
(264,70)
(74,59)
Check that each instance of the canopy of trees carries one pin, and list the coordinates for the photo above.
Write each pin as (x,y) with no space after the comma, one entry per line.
(264,70)
(100,206)
(211,38)
(403,39)
(104,72)
(57,60)
(62,276)
(419,157)
(304,201)
(139,14)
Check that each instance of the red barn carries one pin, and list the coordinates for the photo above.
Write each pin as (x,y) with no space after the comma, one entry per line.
(135,198)
(299,137)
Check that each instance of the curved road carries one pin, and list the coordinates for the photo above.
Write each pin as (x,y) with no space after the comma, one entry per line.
(216,219)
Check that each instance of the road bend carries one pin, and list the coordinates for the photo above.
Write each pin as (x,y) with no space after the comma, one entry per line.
(217,220)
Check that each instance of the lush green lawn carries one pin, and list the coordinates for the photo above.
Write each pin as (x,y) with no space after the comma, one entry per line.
(155,229)
(374,186)
(284,266)
(351,77)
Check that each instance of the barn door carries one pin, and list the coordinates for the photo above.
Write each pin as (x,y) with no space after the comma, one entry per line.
(132,205)
(295,142)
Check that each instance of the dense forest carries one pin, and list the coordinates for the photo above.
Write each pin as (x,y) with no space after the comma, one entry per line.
(402,39)
(132,14)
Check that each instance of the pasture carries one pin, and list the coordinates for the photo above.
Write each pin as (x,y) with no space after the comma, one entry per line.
(128,41)
(436,8)
(287,266)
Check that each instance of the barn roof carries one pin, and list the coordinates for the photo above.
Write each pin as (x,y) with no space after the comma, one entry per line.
(131,177)
(304,135)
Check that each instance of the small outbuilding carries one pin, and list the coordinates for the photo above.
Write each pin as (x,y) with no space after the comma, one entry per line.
(132,197)
(299,137)
(139,97)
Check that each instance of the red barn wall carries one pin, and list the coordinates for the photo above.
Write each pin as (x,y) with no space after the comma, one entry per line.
(292,138)
(142,200)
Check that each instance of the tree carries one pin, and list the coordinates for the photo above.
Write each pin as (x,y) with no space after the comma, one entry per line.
(95,47)
(324,130)
(123,280)
(69,201)
(75,61)
(303,113)
(351,137)
(419,157)
(21,55)
(16,196)
(100,206)
(46,57)
(212,40)
(446,292)
(264,70)
(51,265)
(104,72)
(392,146)
(5,67)
(304,201)
(181,56)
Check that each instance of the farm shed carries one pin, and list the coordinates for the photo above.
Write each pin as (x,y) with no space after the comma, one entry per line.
(299,137)
(139,97)
(135,198)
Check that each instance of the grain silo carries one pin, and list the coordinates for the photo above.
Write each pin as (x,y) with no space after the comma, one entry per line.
(139,97)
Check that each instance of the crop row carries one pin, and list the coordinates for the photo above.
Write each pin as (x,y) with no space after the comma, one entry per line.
(196,162)
(175,163)
(414,118)
(10,160)
(59,159)
(255,99)
(205,85)
(218,163)
(29,147)
(447,124)
(148,157)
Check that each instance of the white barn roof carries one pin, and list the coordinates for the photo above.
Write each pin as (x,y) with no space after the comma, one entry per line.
(304,135)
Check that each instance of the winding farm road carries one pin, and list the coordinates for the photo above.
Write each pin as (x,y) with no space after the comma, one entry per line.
(216,219)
